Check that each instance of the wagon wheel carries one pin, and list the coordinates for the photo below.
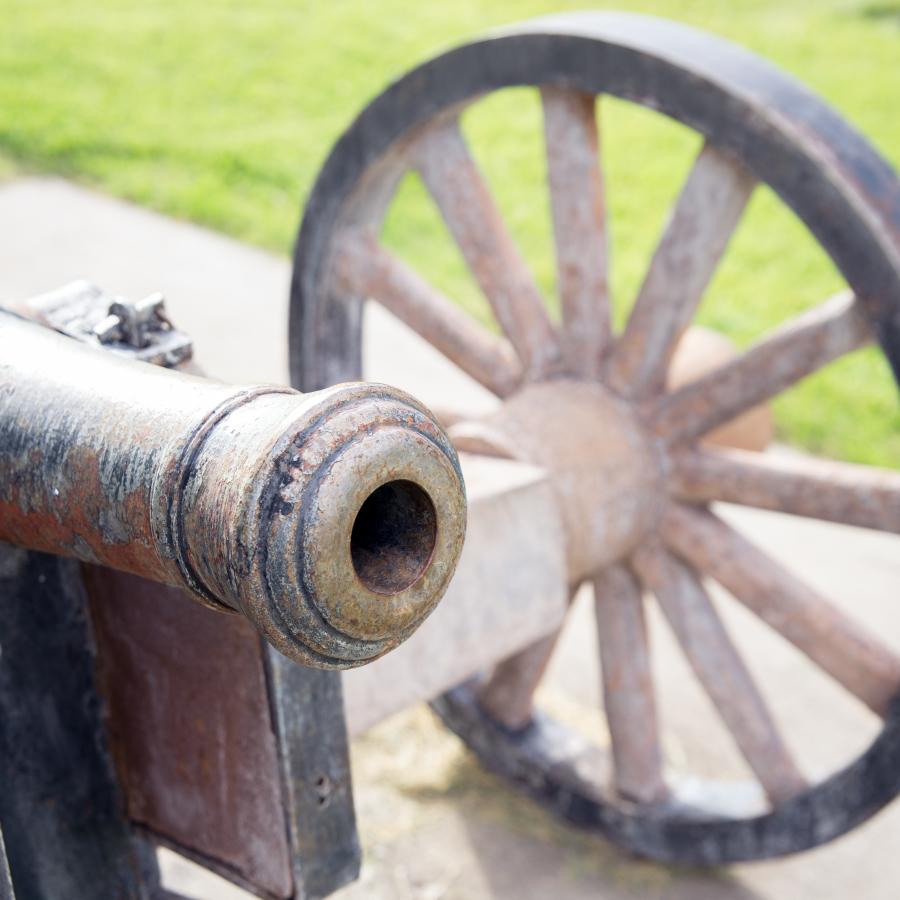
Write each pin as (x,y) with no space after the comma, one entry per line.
(652,530)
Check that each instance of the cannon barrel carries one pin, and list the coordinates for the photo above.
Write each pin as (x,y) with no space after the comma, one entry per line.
(332,520)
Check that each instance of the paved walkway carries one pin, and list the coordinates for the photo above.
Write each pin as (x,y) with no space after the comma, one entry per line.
(432,823)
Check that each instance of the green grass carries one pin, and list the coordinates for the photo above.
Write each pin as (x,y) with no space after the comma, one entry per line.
(221,112)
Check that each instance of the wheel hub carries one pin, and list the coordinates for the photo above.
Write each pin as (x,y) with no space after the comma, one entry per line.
(606,470)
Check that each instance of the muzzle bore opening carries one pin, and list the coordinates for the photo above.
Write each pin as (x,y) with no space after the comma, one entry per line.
(393,537)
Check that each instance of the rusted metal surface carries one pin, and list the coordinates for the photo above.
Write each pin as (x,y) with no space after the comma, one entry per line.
(198,765)
(258,499)
(853,656)
(253,783)
(579,227)
(814,488)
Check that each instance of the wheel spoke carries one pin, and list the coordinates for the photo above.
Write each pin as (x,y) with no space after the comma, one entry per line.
(720,670)
(458,187)
(579,227)
(789,353)
(628,686)
(508,695)
(815,488)
(854,657)
(365,268)
(702,222)
(474,436)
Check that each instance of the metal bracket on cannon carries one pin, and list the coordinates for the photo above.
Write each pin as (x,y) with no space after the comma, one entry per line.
(139,329)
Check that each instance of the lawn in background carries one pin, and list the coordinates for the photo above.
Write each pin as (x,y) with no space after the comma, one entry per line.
(222,112)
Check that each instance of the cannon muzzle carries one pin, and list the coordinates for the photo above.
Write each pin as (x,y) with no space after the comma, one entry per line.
(333,520)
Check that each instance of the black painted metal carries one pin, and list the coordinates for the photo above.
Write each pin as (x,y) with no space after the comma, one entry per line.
(64,826)
(6,888)
(824,170)
(307,709)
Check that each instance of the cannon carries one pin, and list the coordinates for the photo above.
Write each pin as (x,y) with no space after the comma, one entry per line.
(328,524)
(630,473)
(331,520)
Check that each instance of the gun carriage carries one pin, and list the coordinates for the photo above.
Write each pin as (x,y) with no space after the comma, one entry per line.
(331,522)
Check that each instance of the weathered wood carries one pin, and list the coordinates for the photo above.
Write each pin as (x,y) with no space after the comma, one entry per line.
(482,439)
(510,590)
(508,695)
(800,485)
(704,217)
(720,669)
(699,351)
(791,352)
(628,696)
(579,227)
(366,269)
(314,757)
(454,181)
(853,656)
(604,471)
